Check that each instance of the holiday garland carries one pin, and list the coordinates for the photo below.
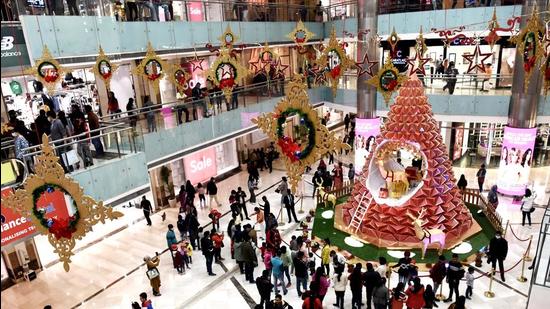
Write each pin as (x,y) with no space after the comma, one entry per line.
(60,227)
(290,148)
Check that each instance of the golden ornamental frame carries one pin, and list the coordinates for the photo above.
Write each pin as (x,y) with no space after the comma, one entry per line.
(375,80)
(534,25)
(151,56)
(172,78)
(274,57)
(345,61)
(95,69)
(50,172)
(300,27)
(325,141)
(227,32)
(45,59)
(225,57)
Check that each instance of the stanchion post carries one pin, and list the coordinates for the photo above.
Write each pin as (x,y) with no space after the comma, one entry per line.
(301,211)
(526,256)
(521,277)
(505,229)
(281,216)
(490,293)
(388,274)
(440,296)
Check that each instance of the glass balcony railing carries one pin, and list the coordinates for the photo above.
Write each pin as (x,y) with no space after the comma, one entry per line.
(405,6)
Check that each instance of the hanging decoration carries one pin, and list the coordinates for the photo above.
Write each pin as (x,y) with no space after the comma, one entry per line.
(280,68)
(392,40)
(546,72)
(104,68)
(388,80)
(228,38)
(151,67)
(47,70)
(475,64)
(529,44)
(266,60)
(300,36)
(312,140)
(493,37)
(365,66)
(196,63)
(180,78)
(56,204)
(450,35)
(334,61)
(225,72)
(418,62)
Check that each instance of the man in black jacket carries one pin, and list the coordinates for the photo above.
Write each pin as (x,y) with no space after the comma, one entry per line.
(241,199)
(147,209)
(300,271)
(263,283)
(455,272)
(208,252)
(498,249)
(250,259)
(371,279)
(193,225)
(212,191)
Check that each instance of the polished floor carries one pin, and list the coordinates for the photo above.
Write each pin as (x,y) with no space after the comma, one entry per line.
(110,273)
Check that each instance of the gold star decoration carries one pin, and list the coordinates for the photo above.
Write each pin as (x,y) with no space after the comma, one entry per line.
(179,77)
(226,72)
(388,80)
(151,67)
(6,128)
(49,178)
(474,59)
(47,70)
(334,62)
(228,38)
(298,153)
(104,68)
(529,44)
(300,35)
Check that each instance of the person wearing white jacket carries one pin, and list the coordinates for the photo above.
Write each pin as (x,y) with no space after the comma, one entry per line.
(340,283)
(527,206)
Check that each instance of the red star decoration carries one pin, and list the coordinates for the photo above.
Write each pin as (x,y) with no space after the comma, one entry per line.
(361,69)
(258,68)
(197,64)
(280,68)
(319,76)
(419,62)
(472,58)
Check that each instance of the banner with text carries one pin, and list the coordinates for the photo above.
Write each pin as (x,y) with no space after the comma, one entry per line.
(200,166)
(14,226)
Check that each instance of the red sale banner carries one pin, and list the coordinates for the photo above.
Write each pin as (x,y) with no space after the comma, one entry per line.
(14,226)
(200,166)
(195,10)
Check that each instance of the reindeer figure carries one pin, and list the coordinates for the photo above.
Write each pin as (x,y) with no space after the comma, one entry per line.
(325,197)
(427,237)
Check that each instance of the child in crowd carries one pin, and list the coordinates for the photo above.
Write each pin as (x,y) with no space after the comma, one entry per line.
(189,249)
(469,282)
(215,216)
(263,248)
(413,270)
(267,260)
(429,298)
(311,264)
(183,251)
(179,258)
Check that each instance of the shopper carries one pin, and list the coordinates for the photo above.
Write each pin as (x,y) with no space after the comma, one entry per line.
(147,209)
(20,143)
(415,295)
(252,186)
(340,283)
(380,295)
(130,107)
(260,219)
(481,177)
(93,124)
(171,236)
(112,104)
(429,298)
(527,206)
(438,272)
(283,189)
(241,200)
(325,256)
(73,8)
(404,264)
(319,283)
(153,273)
(217,239)
(398,297)
(382,267)
(492,197)
(264,286)
(371,279)
(498,250)
(208,252)
(132,10)
(287,263)
(201,191)
(356,285)
(338,175)
(459,304)
(148,108)
(267,209)
(212,191)
(346,122)
(249,258)
(193,226)
(300,271)
(290,207)
(351,173)
(145,302)
(278,272)
(42,124)
(462,183)
(190,190)
(451,74)
(469,282)
(455,272)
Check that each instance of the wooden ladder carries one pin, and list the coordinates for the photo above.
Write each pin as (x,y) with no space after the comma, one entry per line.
(359,213)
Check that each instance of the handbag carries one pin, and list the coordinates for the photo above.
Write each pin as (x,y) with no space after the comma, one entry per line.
(70,157)
(532,210)
(152,273)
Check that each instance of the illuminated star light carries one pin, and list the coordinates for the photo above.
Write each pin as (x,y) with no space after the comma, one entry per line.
(472,59)
(417,64)
(361,66)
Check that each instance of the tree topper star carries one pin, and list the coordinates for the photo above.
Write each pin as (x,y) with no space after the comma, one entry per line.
(417,64)
(473,58)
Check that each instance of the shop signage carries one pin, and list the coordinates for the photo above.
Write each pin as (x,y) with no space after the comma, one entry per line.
(201,165)
(516,158)
(14,226)
(366,131)
(14,49)
(195,10)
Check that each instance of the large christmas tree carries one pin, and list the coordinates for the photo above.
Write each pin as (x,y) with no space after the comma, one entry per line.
(387,223)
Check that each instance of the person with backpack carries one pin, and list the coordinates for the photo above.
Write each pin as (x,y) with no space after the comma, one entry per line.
(455,272)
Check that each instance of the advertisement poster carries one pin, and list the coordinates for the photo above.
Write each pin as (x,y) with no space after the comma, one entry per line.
(195,11)
(459,138)
(14,49)
(515,160)
(366,131)
(14,226)
(200,166)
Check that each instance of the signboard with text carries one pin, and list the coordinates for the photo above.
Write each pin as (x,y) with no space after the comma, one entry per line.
(195,11)
(515,160)
(14,49)
(200,166)
(366,131)
(13,226)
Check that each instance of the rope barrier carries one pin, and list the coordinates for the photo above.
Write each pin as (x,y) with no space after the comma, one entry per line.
(513,233)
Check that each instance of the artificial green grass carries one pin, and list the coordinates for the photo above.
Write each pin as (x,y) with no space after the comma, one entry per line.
(324,228)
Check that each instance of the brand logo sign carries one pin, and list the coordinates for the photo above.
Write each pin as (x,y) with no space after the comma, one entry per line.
(14,49)
(14,226)
(200,166)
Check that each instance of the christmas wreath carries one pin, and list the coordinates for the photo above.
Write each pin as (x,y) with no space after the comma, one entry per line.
(59,227)
(289,146)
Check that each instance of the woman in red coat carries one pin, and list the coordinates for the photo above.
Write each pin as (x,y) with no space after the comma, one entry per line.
(415,295)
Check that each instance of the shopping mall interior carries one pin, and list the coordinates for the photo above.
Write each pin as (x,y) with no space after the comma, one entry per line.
(275,154)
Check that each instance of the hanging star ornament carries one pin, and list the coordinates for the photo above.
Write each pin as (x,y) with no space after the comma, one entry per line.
(226,72)
(529,44)
(366,66)
(151,67)
(196,63)
(65,227)
(299,153)
(334,61)
(280,68)
(388,80)
(47,70)
(475,64)
(104,68)
(417,64)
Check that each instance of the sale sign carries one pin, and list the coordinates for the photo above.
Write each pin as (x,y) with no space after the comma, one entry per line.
(366,131)
(14,226)
(200,166)
(195,10)
(516,158)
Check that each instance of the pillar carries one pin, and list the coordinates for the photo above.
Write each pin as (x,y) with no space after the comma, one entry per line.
(367,18)
(522,111)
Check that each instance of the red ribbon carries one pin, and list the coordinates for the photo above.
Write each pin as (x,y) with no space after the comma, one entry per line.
(289,147)
(153,76)
(106,75)
(335,72)
(227,83)
(391,86)
(62,228)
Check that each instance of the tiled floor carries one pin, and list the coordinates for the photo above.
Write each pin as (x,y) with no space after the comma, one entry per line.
(117,258)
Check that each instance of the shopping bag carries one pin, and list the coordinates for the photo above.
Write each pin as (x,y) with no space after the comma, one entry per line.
(152,273)
(70,157)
